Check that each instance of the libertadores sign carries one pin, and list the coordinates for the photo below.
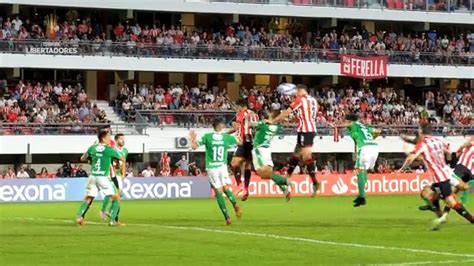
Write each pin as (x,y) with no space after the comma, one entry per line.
(370,67)
(344,185)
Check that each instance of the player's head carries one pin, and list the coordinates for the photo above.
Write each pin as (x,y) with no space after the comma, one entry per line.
(120,139)
(241,104)
(218,125)
(301,90)
(273,114)
(352,117)
(425,130)
(104,136)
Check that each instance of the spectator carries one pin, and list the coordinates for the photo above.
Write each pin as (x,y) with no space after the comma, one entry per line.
(148,172)
(22,173)
(31,172)
(165,161)
(10,173)
(183,164)
(43,173)
(194,170)
(80,172)
(66,170)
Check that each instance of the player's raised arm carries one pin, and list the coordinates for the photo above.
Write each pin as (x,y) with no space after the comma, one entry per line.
(412,156)
(193,138)
(85,157)
(466,144)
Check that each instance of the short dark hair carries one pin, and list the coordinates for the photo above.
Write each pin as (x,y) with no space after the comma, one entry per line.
(427,129)
(117,136)
(217,122)
(102,133)
(352,117)
(242,103)
(301,87)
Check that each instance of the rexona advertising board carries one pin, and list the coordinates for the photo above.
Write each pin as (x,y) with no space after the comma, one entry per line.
(72,189)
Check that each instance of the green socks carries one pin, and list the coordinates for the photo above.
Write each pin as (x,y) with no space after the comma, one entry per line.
(361,182)
(230,196)
(114,210)
(105,203)
(428,202)
(279,180)
(221,203)
(83,209)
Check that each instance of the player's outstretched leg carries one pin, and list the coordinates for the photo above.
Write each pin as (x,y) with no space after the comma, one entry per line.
(114,211)
(105,206)
(247,176)
(85,205)
(425,195)
(222,207)
(232,199)
(312,174)
(361,183)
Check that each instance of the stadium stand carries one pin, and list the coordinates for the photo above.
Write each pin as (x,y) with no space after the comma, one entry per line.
(242,41)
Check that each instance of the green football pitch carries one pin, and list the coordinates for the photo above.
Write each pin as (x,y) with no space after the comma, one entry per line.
(305,231)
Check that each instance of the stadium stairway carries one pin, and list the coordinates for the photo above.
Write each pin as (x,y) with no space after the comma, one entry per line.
(113,117)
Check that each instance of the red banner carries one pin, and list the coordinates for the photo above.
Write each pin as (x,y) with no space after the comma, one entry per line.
(343,185)
(371,67)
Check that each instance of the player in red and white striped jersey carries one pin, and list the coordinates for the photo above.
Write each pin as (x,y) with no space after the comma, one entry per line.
(245,119)
(306,109)
(433,150)
(464,168)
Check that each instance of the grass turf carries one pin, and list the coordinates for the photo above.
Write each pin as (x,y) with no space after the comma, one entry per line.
(51,238)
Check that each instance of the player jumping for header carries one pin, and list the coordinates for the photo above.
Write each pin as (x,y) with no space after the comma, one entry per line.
(217,144)
(367,151)
(306,109)
(265,131)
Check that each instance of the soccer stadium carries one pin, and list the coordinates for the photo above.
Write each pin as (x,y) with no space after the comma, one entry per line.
(237,132)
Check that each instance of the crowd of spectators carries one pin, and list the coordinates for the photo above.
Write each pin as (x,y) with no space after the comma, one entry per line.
(422,5)
(26,171)
(381,106)
(45,103)
(245,41)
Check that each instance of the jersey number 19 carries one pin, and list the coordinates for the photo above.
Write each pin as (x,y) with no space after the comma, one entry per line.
(218,153)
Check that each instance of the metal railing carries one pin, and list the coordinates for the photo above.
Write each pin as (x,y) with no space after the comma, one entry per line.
(464,6)
(184,118)
(200,118)
(224,52)
(68,128)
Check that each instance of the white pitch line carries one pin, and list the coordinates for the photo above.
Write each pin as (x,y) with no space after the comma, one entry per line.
(426,262)
(289,238)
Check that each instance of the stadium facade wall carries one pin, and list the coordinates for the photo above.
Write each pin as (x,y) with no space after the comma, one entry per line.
(220,66)
(207,6)
(159,140)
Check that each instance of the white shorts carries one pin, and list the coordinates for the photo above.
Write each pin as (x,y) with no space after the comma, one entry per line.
(367,157)
(219,177)
(261,157)
(102,183)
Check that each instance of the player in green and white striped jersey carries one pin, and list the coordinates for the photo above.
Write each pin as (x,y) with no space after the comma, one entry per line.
(265,131)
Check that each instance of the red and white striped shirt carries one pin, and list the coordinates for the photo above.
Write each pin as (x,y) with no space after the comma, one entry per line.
(307,110)
(246,118)
(432,150)
(467,158)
